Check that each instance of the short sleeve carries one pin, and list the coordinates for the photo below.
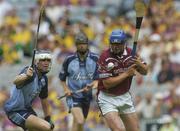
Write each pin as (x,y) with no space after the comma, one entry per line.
(103,70)
(64,71)
(95,58)
(96,74)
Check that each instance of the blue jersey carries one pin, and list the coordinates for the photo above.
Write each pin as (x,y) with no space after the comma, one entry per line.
(79,73)
(21,98)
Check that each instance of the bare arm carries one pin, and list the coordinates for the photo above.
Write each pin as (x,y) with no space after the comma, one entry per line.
(67,91)
(114,81)
(20,79)
(141,67)
(47,111)
(93,85)
(45,107)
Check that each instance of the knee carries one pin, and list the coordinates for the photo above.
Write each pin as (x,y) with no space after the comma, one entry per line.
(118,128)
(121,129)
(47,127)
(133,128)
(79,121)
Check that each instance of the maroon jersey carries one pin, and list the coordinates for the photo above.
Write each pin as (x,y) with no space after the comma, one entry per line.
(112,65)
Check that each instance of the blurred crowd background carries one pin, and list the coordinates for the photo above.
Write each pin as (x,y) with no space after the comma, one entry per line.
(156,96)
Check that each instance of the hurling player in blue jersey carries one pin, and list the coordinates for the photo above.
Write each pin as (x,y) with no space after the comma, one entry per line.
(79,71)
(29,84)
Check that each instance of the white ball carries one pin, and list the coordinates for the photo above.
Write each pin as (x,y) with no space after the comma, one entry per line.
(110,66)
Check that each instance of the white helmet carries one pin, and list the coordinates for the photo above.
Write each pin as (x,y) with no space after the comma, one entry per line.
(42,55)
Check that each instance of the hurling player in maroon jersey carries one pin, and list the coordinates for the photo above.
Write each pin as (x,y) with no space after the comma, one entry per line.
(116,70)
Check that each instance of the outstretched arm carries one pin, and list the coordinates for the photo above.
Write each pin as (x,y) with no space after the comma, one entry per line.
(92,85)
(67,91)
(45,107)
(47,111)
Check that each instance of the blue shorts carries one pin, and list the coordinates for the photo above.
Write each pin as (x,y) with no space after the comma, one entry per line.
(79,102)
(19,117)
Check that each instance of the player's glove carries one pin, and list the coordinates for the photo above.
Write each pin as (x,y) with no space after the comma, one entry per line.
(48,119)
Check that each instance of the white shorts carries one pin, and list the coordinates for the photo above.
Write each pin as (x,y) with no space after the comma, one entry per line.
(122,104)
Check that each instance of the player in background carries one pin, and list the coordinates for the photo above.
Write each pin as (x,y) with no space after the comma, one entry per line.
(29,84)
(79,71)
(116,70)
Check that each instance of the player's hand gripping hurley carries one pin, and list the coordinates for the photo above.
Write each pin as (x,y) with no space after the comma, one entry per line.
(78,91)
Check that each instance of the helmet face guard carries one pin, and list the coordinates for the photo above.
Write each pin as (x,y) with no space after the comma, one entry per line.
(43,61)
(117,41)
(81,41)
(81,38)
